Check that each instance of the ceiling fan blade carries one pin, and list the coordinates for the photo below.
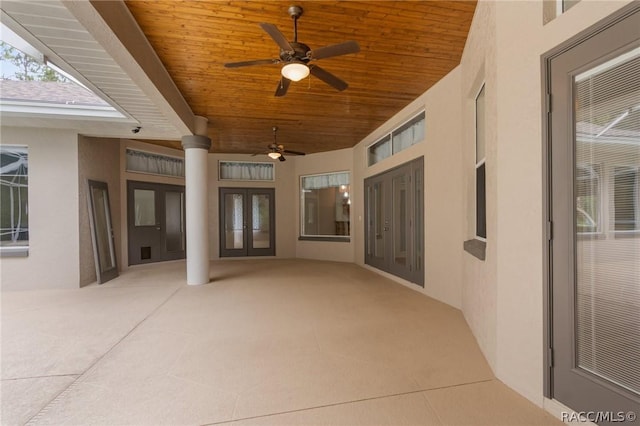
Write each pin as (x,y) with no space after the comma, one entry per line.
(283,86)
(281,158)
(335,50)
(277,36)
(286,151)
(329,78)
(249,63)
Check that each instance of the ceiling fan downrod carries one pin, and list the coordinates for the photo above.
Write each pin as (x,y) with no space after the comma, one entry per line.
(295,12)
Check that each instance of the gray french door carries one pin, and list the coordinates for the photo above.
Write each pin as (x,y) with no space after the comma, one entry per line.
(247,222)
(394,221)
(156,222)
(594,247)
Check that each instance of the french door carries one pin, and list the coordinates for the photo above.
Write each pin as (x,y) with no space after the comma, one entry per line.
(247,222)
(594,246)
(394,221)
(156,222)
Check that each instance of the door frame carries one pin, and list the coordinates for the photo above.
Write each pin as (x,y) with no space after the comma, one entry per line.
(111,273)
(547,140)
(247,218)
(415,228)
(160,216)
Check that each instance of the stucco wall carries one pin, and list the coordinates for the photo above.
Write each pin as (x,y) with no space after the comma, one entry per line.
(479,290)
(443,214)
(521,39)
(53,211)
(98,159)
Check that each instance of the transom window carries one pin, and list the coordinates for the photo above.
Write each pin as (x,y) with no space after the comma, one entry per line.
(400,138)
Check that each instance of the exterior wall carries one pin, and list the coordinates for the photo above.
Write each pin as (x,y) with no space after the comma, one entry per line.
(140,177)
(479,290)
(521,39)
(53,211)
(326,162)
(443,220)
(501,297)
(98,159)
(285,205)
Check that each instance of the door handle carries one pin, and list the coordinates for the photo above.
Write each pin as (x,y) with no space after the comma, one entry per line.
(157,228)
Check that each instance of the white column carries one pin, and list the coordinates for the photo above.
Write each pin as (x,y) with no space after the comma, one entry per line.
(196,148)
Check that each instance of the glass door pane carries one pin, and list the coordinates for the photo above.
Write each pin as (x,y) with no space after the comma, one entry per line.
(234,221)
(174,221)
(104,243)
(607,220)
(400,222)
(260,229)
(144,207)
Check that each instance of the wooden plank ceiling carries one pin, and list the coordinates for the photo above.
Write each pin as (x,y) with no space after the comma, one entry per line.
(406,47)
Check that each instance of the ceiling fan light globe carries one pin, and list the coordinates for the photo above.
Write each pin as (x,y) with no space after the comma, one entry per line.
(295,71)
(274,155)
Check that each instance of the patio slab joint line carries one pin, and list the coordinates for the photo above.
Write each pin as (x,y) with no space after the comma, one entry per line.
(33,420)
(346,402)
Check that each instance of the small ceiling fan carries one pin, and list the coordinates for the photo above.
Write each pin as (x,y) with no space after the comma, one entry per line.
(276,151)
(297,57)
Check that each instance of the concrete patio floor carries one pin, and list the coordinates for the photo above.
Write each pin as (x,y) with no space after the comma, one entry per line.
(267,342)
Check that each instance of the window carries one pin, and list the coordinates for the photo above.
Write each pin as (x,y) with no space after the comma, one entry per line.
(325,205)
(410,133)
(481,203)
(14,212)
(626,198)
(243,170)
(155,164)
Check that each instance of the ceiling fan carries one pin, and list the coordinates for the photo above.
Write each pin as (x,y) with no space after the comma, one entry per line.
(276,151)
(297,57)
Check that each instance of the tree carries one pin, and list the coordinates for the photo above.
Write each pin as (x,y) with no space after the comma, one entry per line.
(26,68)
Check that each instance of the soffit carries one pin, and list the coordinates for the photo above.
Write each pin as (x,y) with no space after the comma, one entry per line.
(52,28)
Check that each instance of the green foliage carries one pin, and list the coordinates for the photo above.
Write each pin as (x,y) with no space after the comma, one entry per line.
(25,67)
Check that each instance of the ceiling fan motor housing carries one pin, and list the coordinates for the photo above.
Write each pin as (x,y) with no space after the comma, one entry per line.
(300,51)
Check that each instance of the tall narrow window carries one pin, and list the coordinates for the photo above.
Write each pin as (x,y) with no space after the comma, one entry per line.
(14,212)
(481,200)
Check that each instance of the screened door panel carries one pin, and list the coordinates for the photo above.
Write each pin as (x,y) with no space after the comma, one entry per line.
(595,87)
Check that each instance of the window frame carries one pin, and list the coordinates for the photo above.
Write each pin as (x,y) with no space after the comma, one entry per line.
(21,248)
(389,136)
(333,238)
(635,203)
(223,179)
(480,167)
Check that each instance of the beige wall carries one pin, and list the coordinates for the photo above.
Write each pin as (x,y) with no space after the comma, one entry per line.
(501,297)
(326,162)
(443,217)
(53,211)
(479,291)
(98,159)
(521,39)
